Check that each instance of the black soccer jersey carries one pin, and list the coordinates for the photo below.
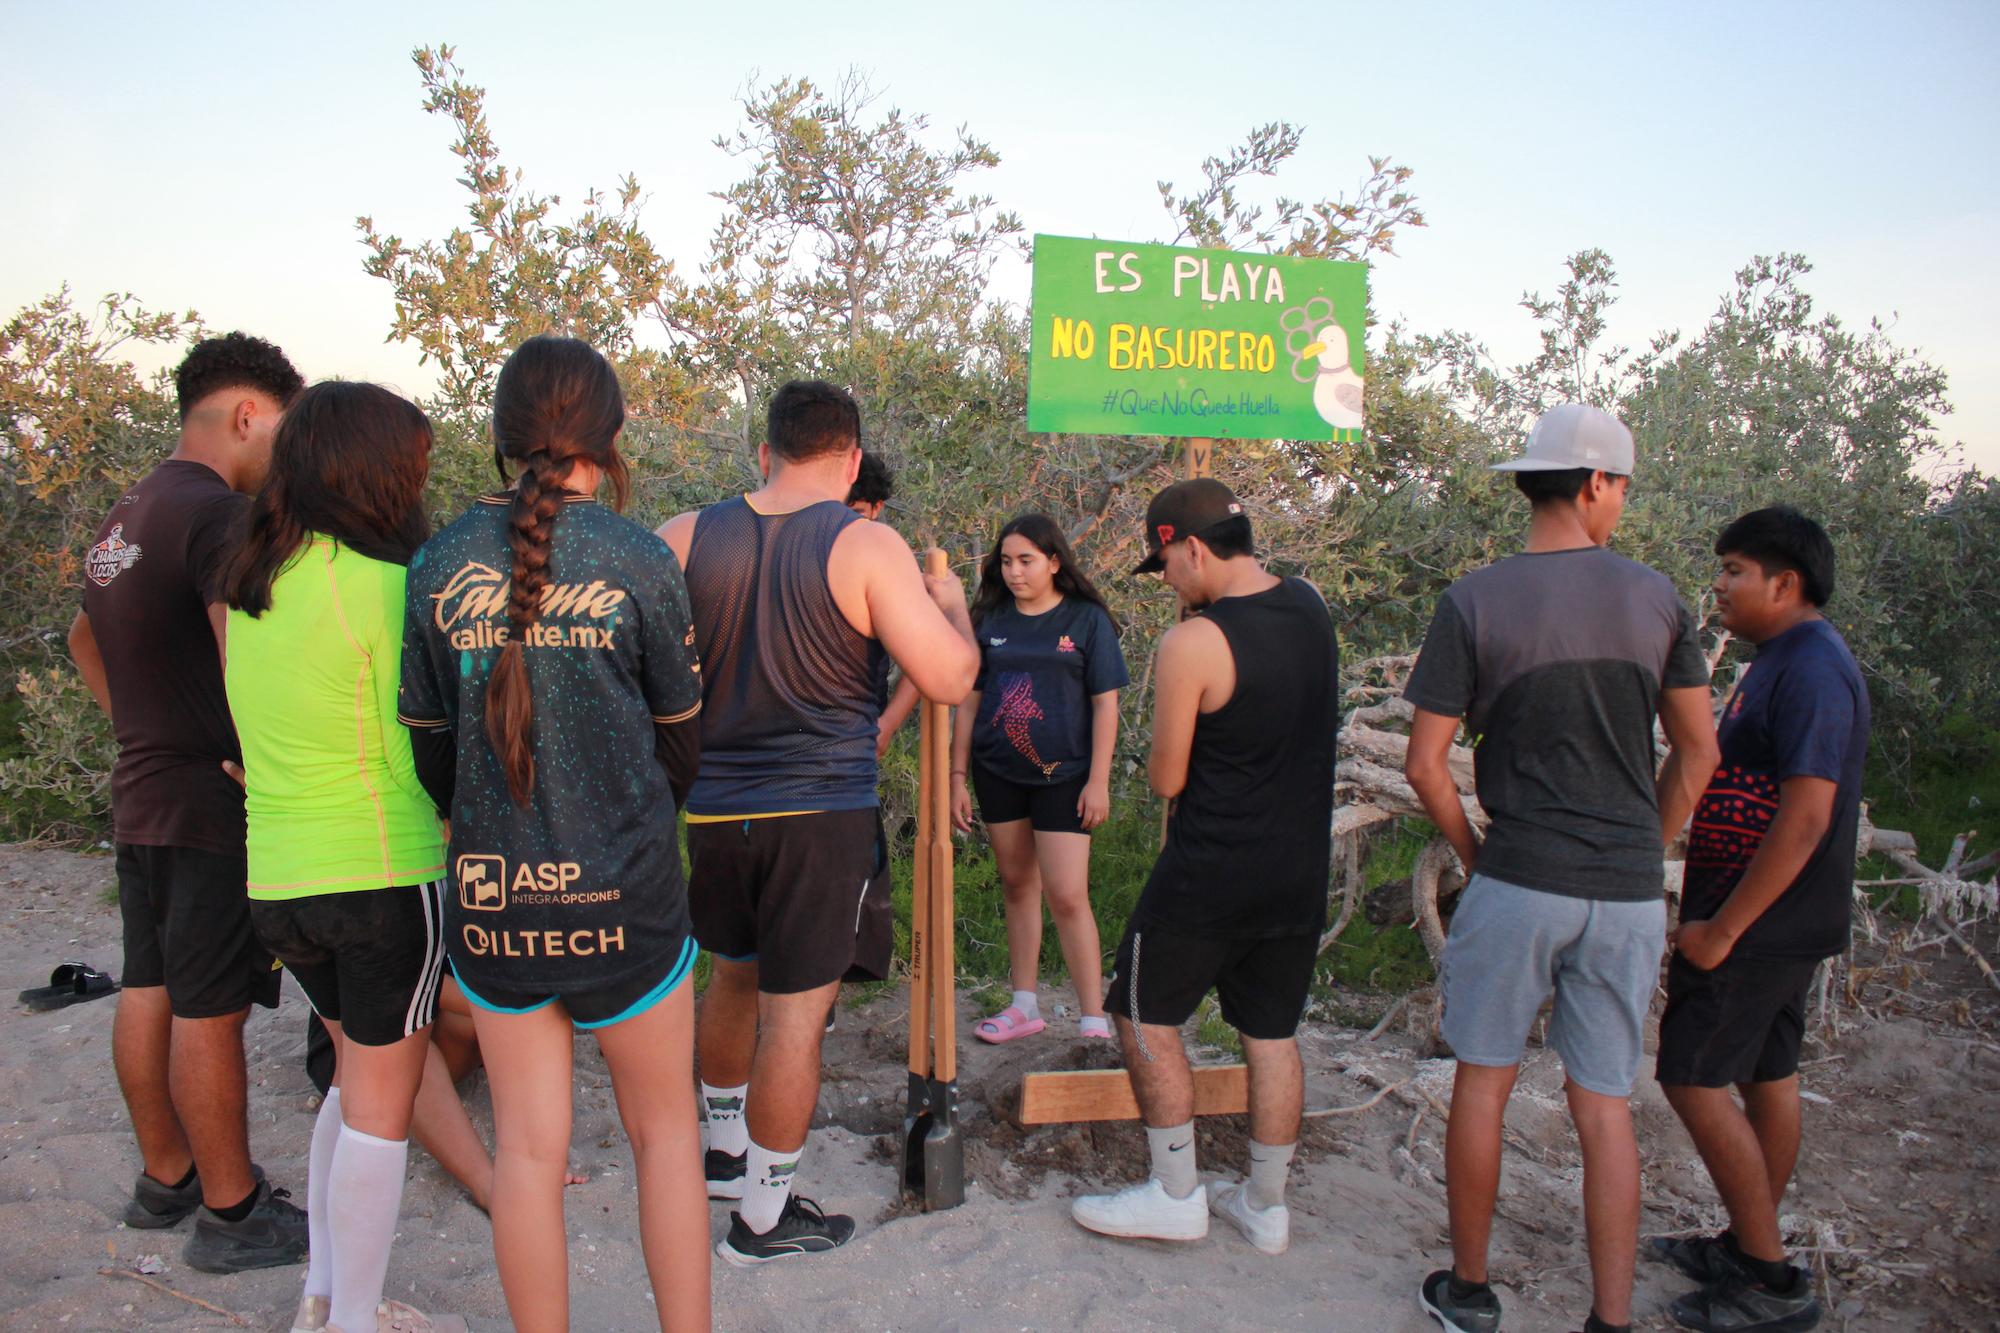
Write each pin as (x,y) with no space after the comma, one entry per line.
(582,886)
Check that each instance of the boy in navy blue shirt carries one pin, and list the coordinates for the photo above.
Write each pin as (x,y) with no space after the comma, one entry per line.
(1770,877)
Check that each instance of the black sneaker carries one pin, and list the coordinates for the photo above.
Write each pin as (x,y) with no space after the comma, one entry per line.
(802,1229)
(1706,1259)
(155,1207)
(1476,1313)
(1745,1306)
(725,1173)
(274,1234)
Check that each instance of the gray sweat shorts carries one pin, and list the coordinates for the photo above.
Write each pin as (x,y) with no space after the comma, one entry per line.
(1510,947)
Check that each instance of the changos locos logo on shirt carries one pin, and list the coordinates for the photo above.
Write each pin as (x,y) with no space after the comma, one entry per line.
(111,557)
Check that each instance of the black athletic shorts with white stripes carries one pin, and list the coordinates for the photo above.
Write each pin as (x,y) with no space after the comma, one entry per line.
(370,960)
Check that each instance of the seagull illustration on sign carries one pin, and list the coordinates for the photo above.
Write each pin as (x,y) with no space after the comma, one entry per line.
(1016,711)
(1322,358)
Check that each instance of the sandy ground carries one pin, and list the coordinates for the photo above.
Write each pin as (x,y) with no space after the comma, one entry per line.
(1895,1204)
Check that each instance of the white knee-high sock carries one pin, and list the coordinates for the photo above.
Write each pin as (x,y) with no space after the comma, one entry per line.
(366,1197)
(1173,1157)
(722,1123)
(767,1183)
(319,1171)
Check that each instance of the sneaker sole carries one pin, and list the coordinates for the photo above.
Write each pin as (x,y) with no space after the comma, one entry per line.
(1135,1232)
(1444,1320)
(236,1261)
(1794,1323)
(742,1260)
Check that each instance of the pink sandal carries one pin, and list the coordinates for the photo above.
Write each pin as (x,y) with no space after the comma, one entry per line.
(1006,1025)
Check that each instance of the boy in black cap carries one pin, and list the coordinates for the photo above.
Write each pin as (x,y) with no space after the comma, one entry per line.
(1770,878)
(1244,717)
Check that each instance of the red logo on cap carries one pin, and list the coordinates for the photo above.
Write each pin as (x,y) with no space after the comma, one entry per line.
(1166,531)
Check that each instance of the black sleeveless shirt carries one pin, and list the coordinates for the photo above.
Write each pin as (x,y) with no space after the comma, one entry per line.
(1250,839)
(788,686)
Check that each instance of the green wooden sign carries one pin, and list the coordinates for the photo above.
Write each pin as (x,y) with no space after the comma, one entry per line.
(1161,340)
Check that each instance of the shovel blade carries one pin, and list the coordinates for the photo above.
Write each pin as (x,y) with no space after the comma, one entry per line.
(944,1164)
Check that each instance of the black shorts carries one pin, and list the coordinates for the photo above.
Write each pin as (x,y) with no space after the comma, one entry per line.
(1160,977)
(1740,1023)
(369,960)
(600,1006)
(1048,809)
(187,927)
(805,896)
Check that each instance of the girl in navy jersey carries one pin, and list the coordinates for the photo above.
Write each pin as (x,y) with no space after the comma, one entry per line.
(1034,742)
(551,687)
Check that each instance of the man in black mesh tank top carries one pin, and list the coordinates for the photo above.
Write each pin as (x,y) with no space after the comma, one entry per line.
(1244,717)
(795,598)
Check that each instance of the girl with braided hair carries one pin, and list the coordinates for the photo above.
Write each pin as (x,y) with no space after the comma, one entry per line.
(551,686)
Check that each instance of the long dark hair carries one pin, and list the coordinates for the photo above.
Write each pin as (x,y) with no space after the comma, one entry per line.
(1047,535)
(557,403)
(348,462)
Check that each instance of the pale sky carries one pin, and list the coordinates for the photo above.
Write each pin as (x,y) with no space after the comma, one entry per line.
(215,156)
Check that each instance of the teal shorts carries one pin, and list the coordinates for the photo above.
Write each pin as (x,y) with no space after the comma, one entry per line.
(1511,949)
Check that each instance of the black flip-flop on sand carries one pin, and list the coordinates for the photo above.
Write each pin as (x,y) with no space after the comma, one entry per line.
(70,983)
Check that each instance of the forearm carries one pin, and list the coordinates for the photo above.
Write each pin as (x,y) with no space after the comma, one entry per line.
(961,733)
(1103,738)
(1677,789)
(901,704)
(435,753)
(1787,846)
(89,662)
(1439,796)
(677,747)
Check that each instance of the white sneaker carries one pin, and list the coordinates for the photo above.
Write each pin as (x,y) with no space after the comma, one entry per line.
(1269,1229)
(1144,1211)
(396,1317)
(311,1317)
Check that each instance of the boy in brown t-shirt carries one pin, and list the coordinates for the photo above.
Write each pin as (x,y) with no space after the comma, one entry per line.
(149,644)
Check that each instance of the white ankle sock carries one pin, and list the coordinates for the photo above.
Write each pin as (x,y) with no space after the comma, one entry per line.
(1098,1023)
(1268,1168)
(1173,1158)
(362,1219)
(723,1127)
(1028,1002)
(319,1171)
(767,1183)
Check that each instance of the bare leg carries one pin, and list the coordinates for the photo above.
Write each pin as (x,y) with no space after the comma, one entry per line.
(1773,1110)
(1610,1197)
(1728,1145)
(652,1067)
(1161,1079)
(141,1036)
(1065,865)
(1021,884)
(205,1071)
(528,1060)
(728,1031)
(784,1077)
(1277,1089)
(1472,1161)
(439,1122)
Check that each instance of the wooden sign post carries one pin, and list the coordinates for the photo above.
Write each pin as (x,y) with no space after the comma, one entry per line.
(933,1149)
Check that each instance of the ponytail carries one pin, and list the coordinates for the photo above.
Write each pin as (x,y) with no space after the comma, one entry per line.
(557,402)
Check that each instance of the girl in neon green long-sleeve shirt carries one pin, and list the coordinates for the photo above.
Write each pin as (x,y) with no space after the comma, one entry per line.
(345,852)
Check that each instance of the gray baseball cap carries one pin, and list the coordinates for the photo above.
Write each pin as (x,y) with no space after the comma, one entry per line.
(1572,435)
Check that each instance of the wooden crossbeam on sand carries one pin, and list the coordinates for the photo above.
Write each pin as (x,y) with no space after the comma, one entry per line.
(1078,1095)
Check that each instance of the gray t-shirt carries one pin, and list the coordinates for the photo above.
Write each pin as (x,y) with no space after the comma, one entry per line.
(1556,661)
